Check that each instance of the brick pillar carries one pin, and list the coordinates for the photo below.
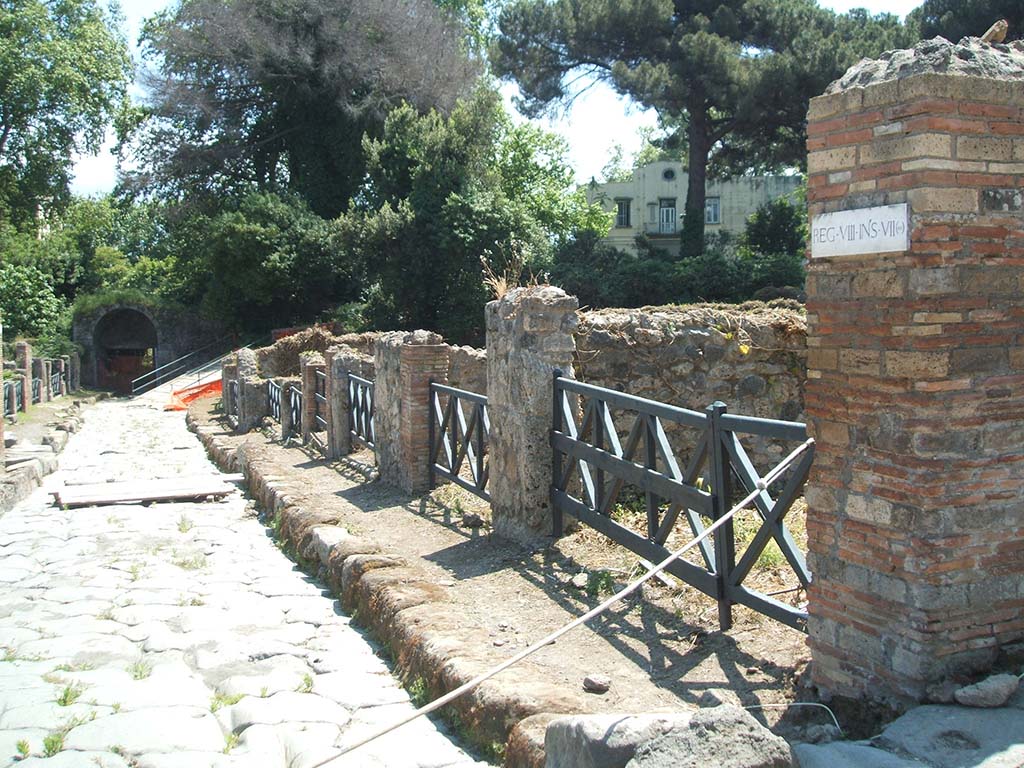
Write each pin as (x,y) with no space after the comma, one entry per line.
(915,387)
(340,361)
(253,398)
(529,336)
(309,364)
(39,372)
(405,365)
(47,373)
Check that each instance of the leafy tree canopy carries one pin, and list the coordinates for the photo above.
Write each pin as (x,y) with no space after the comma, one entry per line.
(64,73)
(736,75)
(276,95)
(445,191)
(955,19)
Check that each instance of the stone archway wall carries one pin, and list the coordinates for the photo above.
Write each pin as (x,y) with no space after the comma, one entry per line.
(178,332)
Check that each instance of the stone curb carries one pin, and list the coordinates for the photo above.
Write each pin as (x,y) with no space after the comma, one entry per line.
(406,611)
(17,484)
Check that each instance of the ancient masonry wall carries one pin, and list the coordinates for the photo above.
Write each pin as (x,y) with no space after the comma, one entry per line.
(916,375)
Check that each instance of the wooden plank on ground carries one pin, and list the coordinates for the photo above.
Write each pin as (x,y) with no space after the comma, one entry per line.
(164,489)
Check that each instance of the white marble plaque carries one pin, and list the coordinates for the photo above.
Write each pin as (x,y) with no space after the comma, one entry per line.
(882,229)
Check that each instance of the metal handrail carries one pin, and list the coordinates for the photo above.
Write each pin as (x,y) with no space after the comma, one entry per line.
(144,378)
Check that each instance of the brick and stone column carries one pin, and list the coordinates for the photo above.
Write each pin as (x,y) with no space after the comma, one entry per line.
(47,373)
(340,361)
(253,397)
(915,387)
(405,364)
(39,372)
(309,364)
(529,336)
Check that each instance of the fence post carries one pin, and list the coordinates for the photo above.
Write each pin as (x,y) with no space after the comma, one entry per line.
(287,426)
(23,362)
(39,372)
(721,486)
(557,519)
(47,383)
(405,364)
(529,337)
(309,364)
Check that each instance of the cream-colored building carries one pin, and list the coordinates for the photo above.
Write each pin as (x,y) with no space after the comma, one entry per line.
(653,201)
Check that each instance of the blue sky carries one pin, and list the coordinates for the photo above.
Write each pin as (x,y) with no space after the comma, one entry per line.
(597,120)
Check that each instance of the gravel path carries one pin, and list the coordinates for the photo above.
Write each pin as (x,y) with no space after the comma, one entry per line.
(177,635)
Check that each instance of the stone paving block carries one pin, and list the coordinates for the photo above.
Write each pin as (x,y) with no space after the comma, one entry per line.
(842,754)
(49,715)
(164,729)
(76,759)
(284,707)
(959,737)
(185,760)
(273,675)
(354,690)
(9,742)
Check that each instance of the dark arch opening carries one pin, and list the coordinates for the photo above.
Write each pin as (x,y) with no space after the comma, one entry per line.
(125,341)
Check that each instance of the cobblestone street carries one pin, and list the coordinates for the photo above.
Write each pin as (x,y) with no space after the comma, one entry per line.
(177,635)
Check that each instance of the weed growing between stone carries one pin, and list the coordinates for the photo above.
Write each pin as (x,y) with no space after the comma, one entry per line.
(70,695)
(225,700)
(24,750)
(140,670)
(230,742)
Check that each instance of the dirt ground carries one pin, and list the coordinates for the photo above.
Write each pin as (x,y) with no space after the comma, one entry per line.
(662,649)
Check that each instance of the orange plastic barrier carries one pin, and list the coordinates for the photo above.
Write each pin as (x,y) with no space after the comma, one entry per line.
(181,398)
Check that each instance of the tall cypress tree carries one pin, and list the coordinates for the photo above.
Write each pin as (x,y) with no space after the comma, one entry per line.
(735,75)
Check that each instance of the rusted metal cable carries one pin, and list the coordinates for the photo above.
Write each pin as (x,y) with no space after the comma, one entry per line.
(761,485)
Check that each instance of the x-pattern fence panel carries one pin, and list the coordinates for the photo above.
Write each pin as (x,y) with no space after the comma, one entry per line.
(19,395)
(274,395)
(360,410)
(55,384)
(594,466)
(318,434)
(458,442)
(37,391)
(295,410)
(9,407)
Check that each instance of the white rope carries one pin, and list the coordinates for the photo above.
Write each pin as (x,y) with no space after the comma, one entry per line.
(799,704)
(760,486)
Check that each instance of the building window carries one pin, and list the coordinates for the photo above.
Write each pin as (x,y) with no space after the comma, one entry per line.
(622,213)
(667,216)
(713,211)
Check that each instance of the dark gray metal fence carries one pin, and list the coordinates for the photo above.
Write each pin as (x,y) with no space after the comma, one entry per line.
(458,445)
(9,407)
(55,384)
(37,391)
(360,410)
(592,466)
(274,395)
(318,434)
(295,410)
